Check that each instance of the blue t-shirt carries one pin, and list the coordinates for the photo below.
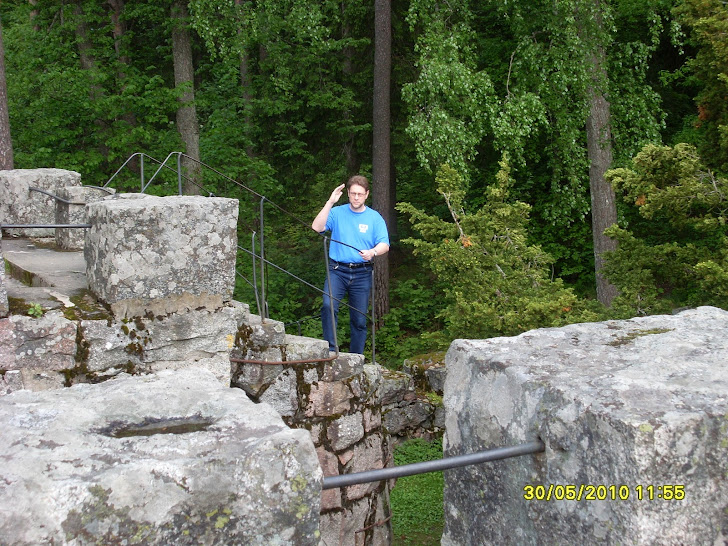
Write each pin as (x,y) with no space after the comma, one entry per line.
(363,230)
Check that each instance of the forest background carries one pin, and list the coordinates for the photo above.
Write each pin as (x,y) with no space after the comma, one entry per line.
(539,162)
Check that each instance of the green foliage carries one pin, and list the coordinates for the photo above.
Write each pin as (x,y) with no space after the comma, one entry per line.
(450,99)
(495,282)
(476,79)
(36,310)
(707,22)
(417,501)
(674,254)
(69,116)
(413,307)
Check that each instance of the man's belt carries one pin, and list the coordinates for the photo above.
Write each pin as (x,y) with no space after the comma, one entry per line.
(353,265)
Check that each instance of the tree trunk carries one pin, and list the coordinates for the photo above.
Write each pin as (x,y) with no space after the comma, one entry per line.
(6,144)
(246,89)
(381,183)
(603,201)
(118,29)
(353,164)
(88,64)
(34,14)
(187,125)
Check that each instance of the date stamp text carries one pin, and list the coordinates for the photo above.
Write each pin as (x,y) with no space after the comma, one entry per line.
(591,492)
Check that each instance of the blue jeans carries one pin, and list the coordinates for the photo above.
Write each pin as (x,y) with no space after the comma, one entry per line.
(357,283)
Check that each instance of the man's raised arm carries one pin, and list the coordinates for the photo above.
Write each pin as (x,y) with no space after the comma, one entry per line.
(319,223)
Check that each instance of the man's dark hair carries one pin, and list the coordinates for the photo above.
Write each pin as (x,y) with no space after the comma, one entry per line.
(359,180)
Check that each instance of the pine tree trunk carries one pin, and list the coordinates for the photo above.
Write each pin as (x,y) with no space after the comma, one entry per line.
(88,64)
(603,201)
(118,29)
(246,91)
(187,125)
(6,144)
(350,152)
(381,172)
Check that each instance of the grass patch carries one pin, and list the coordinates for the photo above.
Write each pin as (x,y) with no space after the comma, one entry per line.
(416,501)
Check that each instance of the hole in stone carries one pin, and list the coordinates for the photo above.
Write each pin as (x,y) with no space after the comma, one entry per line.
(154,425)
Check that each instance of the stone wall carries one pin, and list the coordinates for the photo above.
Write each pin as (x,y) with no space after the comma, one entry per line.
(412,398)
(339,402)
(162,255)
(72,210)
(20,205)
(4,306)
(164,305)
(637,406)
(171,458)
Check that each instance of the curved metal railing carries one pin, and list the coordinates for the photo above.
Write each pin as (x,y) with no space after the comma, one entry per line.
(258,283)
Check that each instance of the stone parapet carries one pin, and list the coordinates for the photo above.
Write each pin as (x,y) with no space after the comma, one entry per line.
(198,338)
(339,403)
(637,406)
(174,458)
(162,254)
(20,205)
(52,351)
(410,408)
(73,211)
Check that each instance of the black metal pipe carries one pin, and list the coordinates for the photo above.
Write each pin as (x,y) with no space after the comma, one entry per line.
(43,226)
(54,196)
(343,480)
(179,173)
(263,301)
(374,316)
(334,325)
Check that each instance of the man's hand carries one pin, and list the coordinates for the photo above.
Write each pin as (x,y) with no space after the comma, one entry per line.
(319,223)
(368,254)
(336,194)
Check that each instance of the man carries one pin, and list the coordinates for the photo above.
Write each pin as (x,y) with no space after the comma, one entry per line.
(358,235)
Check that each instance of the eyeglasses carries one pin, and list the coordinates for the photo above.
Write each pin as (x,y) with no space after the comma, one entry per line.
(357,194)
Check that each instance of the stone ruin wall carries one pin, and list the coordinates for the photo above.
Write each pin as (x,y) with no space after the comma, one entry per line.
(635,404)
(634,417)
(170,308)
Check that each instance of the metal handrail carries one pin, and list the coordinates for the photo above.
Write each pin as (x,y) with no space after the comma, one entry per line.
(446,463)
(61,199)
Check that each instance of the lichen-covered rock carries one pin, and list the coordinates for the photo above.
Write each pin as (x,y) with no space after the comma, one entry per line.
(44,343)
(345,431)
(72,210)
(173,458)
(20,205)
(162,254)
(201,338)
(10,381)
(409,417)
(636,406)
(345,366)
(428,371)
(396,386)
(282,394)
(305,348)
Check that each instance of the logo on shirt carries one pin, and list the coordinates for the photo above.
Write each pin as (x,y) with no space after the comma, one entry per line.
(363,228)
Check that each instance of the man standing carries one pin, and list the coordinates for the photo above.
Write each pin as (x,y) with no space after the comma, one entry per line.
(358,234)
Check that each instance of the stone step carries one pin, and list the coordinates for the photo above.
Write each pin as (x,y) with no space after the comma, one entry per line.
(38,273)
